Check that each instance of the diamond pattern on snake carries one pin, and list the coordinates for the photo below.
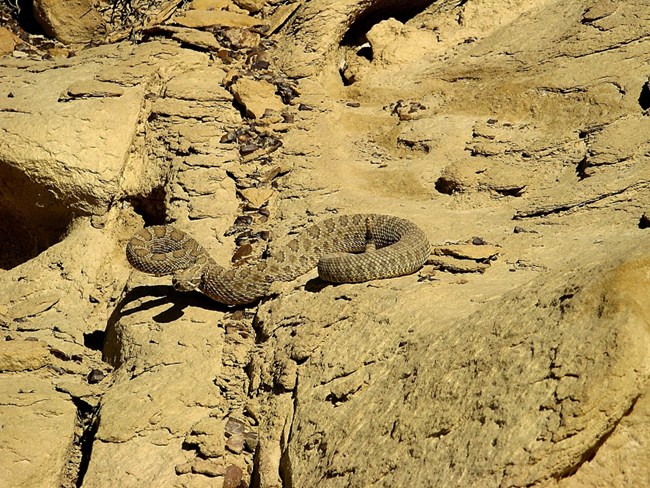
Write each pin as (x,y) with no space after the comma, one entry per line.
(346,249)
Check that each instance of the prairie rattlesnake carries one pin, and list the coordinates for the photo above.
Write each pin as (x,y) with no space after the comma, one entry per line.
(388,246)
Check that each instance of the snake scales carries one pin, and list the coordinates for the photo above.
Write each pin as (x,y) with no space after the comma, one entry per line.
(388,246)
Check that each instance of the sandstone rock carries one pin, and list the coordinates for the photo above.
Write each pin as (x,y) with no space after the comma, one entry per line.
(23,355)
(257,197)
(200,39)
(39,417)
(8,41)
(392,42)
(242,38)
(280,16)
(531,370)
(256,96)
(209,4)
(199,84)
(252,6)
(211,18)
(468,251)
(45,161)
(92,88)
(70,22)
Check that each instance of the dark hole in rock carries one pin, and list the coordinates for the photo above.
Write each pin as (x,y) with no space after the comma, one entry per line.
(581,169)
(365,51)
(514,191)
(378,11)
(152,207)
(447,186)
(644,221)
(23,13)
(32,217)
(94,340)
(644,96)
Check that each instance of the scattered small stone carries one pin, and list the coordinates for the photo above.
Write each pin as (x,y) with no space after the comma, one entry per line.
(235,443)
(243,220)
(250,440)
(644,222)
(242,252)
(248,149)
(428,274)
(95,376)
(237,315)
(232,477)
(305,108)
(287,91)
(260,64)
(478,241)
(353,104)
(228,137)
(234,427)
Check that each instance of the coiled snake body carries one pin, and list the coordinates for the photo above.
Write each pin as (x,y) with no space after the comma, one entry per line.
(388,246)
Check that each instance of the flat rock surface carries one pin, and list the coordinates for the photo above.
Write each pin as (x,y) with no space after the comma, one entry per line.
(513,133)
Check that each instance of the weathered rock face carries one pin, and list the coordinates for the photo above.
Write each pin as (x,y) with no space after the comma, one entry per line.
(513,133)
(71,22)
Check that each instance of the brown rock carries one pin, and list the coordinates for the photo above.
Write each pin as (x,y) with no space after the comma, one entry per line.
(233,477)
(71,22)
(235,443)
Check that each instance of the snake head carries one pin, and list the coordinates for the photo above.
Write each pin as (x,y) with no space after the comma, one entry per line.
(187,279)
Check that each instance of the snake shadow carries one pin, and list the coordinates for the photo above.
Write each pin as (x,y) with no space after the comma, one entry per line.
(316,285)
(163,295)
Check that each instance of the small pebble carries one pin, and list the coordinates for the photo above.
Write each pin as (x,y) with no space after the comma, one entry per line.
(232,477)
(235,444)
